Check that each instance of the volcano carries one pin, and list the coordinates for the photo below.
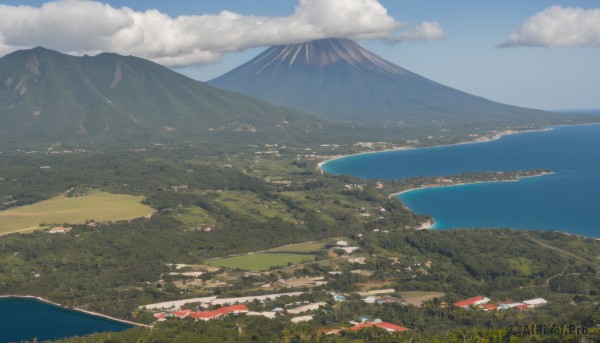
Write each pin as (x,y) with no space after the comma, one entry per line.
(338,79)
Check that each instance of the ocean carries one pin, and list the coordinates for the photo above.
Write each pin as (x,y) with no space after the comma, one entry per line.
(568,200)
(26,319)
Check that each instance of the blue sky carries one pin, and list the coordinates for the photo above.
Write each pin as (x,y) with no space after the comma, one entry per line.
(551,58)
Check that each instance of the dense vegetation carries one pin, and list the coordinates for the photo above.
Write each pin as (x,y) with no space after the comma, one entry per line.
(258,203)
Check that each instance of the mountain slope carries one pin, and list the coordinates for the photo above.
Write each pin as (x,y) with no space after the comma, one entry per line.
(336,78)
(49,97)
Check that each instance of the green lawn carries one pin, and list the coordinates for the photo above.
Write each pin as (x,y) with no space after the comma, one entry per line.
(302,247)
(99,206)
(261,261)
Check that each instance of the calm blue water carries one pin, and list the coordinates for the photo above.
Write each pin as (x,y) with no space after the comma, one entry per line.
(25,319)
(568,200)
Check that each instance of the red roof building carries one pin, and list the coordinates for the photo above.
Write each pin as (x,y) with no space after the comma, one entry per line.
(181,314)
(207,315)
(478,300)
(391,327)
(489,307)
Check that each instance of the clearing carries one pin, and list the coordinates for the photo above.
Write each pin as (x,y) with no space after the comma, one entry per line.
(417,298)
(261,261)
(97,205)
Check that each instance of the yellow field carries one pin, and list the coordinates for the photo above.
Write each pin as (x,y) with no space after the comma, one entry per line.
(99,206)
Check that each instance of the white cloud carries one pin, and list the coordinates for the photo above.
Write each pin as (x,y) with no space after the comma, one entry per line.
(427,30)
(91,27)
(559,27)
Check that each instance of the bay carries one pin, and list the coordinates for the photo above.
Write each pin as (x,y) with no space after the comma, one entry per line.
(568,200)
(26,319)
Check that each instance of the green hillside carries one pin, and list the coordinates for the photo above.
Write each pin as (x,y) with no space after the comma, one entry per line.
(47,97)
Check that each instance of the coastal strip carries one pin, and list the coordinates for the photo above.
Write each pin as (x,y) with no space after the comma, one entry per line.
(517,179)
(95,314)
(483,139)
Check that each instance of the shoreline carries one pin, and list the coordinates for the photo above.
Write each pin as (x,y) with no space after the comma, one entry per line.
(431,223)
(486,139)
(94,314)
(407,148)
(466,184)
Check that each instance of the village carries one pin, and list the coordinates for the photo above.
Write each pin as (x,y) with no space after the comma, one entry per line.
(300,298)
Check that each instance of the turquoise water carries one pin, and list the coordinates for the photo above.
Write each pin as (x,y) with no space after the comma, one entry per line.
(26,319)
(568,200)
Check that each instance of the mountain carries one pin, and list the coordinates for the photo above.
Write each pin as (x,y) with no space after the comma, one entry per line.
(337,78)
(47,97)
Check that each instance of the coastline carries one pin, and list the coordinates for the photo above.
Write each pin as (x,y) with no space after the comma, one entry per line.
(478,140)
(94,314)
(430,224)
(406,148)
(466,184)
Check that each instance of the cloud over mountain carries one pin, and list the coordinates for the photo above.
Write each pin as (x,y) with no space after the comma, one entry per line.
(427,30)
(558,27)
(90,27)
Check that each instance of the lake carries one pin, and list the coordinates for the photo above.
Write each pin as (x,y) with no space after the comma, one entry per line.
(26,319)
(568,200)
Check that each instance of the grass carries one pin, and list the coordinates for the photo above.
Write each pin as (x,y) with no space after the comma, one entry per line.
(99,206)
(251,205)
(301,247)
(194,216)
(417,298)
(261,261)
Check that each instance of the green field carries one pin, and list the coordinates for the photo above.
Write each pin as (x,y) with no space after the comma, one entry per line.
(301,248)
(99,206)
(261,261)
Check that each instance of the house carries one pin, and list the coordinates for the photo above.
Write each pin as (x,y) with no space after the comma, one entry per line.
(181,314)
(359,260)
(389,327)
(349,250)
(478,300)
(305,308)
(535,302)
(489,307)
(269,315)
(506,306)
(301,319)
(59,229)
(161,316)
(207,315)
(370,300)
(341,243)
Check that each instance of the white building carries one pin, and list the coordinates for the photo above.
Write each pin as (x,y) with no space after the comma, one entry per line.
(535,302)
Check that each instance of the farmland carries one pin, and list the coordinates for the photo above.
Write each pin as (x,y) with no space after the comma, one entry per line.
(99,206)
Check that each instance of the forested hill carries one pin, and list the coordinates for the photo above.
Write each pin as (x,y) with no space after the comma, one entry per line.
(47,97)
